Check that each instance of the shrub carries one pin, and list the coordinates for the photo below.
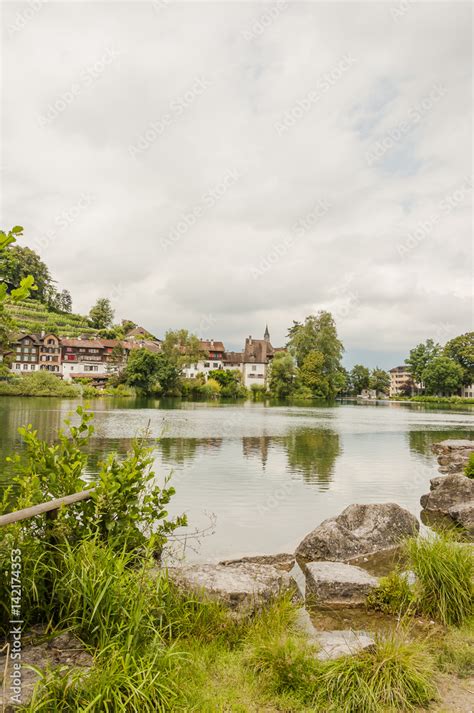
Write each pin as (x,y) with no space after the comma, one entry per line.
(39,383)
(393,594)
(444,570)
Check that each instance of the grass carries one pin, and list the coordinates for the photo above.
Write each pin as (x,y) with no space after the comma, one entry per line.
(454,652)
(444,581)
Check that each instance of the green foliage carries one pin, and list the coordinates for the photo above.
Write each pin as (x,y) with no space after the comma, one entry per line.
(442,376)
(379,380)
(469,469)
(420,357)
(130,508)
(283,373)
(444,570)
(33,316)
(101,314)
(359,379)
(393,595)
(38,383)
(313,376)
(20,264)
(182,348)
(461,350)
(19,291)
(141,371)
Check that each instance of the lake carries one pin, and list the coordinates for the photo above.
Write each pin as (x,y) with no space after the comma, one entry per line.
(257,476)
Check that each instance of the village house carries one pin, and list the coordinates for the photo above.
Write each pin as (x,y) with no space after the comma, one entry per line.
(257,356)
(214,360)
(36,352)
(93,357)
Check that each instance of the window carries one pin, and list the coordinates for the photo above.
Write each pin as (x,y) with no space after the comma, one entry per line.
(50,341)
(254,368)
(215,365)
(87,367)
(206,365)
(18,349)
(18,357)
(27,341)
(17,366)
(25,366)
(32,367)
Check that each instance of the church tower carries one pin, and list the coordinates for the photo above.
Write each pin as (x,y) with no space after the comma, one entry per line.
(266,336)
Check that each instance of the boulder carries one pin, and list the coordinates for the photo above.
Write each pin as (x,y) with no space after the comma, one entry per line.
(244,587)
(282,561)
(453,454)
(63,651)
(463,515)
(448,491)
(358,530)
(337,584)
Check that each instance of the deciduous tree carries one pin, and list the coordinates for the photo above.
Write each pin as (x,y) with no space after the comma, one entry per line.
(282,379)
(443,376)
(420,357)
(101,314)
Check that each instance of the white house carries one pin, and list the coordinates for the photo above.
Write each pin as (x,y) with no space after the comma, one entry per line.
(215,360)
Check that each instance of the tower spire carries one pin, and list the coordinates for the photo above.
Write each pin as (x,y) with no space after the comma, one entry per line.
(266,336)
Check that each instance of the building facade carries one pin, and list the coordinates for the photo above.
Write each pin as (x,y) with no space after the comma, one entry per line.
(401,381)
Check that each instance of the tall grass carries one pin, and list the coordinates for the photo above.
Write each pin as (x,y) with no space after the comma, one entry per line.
(444,570)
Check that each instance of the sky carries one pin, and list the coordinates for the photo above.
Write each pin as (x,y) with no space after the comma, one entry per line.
(223,166)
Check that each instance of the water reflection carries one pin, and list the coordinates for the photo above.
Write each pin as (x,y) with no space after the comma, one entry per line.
(313,452)
(421,441)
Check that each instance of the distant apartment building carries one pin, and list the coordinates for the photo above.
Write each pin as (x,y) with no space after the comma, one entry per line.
(401,381)
(467,391)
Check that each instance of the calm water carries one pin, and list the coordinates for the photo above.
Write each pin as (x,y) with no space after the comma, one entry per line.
(264,475)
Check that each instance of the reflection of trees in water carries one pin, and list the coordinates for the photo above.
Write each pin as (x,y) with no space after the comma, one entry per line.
(421,441)
(179,450)
(313,452)
(257,446)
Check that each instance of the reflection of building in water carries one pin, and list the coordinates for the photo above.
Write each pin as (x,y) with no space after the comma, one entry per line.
(256,446)
(313,452)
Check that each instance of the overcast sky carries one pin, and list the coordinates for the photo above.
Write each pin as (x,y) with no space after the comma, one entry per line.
(220,166)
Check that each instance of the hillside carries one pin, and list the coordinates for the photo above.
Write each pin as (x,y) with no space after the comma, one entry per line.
(33,316)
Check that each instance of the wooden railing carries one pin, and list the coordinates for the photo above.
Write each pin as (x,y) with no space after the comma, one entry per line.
(50,507)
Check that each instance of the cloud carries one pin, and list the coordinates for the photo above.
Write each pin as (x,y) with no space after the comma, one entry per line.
(149,106)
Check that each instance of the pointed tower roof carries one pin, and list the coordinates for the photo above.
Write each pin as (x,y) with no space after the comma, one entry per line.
(266,336)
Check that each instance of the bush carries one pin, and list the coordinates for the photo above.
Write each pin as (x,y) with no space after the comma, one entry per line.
(38,383)
(393,595)
(444,570)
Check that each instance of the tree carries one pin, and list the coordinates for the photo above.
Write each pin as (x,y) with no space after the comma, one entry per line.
(461,349)
(65,301)
(101,314)
(168,373)
(319,334)
(282,379)
(443,376)
(313,376)
(18,263)
(141,371)
(18,293)
(379,380)
(182,347)
(420,357)
(359,378)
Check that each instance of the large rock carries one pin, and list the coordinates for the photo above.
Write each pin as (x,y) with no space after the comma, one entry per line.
(447,491)
(358,530)
(64,652)
(337,584)
(453,454)
(243,587)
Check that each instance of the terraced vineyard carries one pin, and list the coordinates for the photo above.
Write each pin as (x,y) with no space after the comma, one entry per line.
(33,316)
